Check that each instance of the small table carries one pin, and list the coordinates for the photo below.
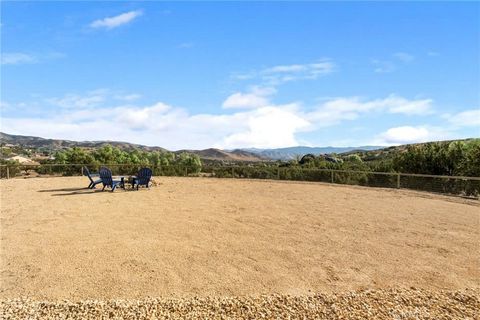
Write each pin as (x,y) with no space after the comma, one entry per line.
(122,181)
(129,179)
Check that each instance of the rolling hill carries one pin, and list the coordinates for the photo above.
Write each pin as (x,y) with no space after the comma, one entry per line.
(367,153)
(294,152)
(58,144)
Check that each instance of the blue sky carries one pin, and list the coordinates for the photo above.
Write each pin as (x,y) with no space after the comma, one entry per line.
(231,74)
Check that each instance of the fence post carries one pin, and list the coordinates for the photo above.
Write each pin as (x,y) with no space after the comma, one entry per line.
(278,173)
(186,171)
(331,175)
(81,170)
(8,173)
(398,180)
(233,172)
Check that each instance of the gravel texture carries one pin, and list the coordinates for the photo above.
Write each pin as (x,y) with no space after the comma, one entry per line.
(364,304)
(229,237)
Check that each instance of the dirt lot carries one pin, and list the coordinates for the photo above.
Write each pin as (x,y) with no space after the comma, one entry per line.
(221,237)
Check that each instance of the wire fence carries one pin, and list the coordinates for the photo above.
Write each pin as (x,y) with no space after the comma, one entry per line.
(454,185)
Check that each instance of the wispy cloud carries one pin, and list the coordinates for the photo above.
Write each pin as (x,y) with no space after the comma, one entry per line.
(382,66)
(334,111)
(17,58)
(391,64)
(257,97)
(90,99)
(186,45)
(467,118)
(128,97)
(279,74)
(73,101)
(4,105)
(116,21)
(404,57)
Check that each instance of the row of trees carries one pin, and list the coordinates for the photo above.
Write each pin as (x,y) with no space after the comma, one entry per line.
(461,158)
(457,158)
(112,155)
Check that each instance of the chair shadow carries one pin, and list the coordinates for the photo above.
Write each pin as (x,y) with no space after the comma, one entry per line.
(63,189)
(82,191)
(71,191)
(85,191)
(74,193)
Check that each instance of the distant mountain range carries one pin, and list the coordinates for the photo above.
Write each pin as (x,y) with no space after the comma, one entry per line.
(246,154)
(58,144)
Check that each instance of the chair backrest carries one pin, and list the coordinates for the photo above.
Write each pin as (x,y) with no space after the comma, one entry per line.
(144,175)
(86,172)
(106,176)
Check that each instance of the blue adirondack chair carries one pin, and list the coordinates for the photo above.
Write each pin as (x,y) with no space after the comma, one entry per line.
(90,176)
(107,180)
(143,178)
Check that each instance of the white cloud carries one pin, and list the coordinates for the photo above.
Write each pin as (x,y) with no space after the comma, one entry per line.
(382,66)
(401,105)
(287,68)
(168,126)
(279,74)
(468,118)
(92,99)
(387,66)
(128,97)
(116,21)
(268,127)
(285,73)
(336,110)
(258,97)
(4,105)
(263,125)
(405,134)
(411,134)
(404,57)
(17,58)
(245,100)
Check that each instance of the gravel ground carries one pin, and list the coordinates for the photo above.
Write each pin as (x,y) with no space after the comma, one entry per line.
(228,237)
(372,304)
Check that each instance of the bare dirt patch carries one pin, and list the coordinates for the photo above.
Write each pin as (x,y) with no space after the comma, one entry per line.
(223,237)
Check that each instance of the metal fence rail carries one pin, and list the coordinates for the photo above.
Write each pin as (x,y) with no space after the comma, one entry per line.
(454,185)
